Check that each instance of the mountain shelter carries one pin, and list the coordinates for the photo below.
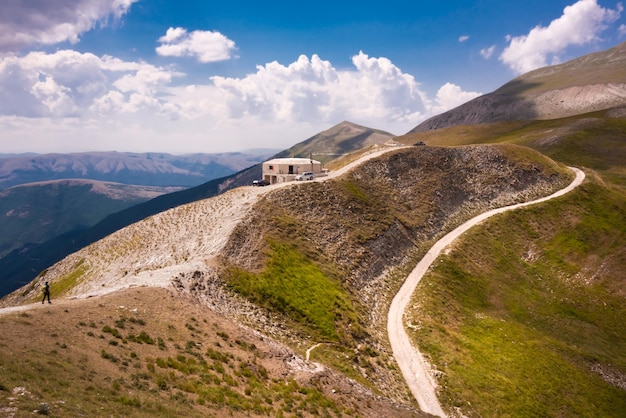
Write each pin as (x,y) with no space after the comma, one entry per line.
(280,170)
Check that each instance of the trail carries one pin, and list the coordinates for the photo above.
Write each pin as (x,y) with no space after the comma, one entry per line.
(414,367)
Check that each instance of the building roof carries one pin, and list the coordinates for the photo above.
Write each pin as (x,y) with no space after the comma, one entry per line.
(292,161)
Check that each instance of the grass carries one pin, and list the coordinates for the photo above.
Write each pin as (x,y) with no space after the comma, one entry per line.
(527,306)
(201,372)
(294,286)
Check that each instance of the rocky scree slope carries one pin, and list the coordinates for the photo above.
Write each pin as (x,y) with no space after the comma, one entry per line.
(366,229)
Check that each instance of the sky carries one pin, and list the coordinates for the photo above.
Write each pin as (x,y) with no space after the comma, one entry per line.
(190,76)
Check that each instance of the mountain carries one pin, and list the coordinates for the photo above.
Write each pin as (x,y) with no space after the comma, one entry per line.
(583,85)
(310,265)
(343,138)
(36,212)
(42,208)
(23,264)
(147,169)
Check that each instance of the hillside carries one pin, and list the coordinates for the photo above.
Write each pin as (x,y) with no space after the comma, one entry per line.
(152,352)
(587,84)
(273,275)
(36,212)
(532,303)
(23,264)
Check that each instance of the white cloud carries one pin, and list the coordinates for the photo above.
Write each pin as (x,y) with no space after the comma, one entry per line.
(93,102)
(46,22)
(450,96)
(581,23)
(68,83)
(206,46)
(314,90)
(463,38)
(486,53)
(622,30)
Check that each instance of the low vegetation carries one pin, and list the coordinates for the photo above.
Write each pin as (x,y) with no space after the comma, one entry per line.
(294,286)
(524,317)
(135,358)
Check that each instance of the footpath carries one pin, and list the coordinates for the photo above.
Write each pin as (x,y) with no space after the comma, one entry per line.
(416,371)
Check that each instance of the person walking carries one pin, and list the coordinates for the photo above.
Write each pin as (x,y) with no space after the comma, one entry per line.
(46,293)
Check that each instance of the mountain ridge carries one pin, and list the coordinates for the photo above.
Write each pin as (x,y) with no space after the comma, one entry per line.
(583,85)
(147,169)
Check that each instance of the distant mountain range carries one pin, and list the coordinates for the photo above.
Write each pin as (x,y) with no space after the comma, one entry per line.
(145,169)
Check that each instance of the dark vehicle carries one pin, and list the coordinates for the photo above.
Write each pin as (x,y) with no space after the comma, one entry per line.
(260,183)
(419,144)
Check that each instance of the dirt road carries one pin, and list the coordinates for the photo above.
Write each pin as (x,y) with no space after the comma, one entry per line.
(415,369)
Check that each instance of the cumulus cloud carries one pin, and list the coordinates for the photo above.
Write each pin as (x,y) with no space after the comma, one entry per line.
(622,30)
(68,83)
(463,38)
(580,24)
(205,46)
(450,96)
(44,22)
(125,102)
(313,89)
(486,53)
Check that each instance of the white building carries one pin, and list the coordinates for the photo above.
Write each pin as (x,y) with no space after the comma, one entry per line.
(280,170)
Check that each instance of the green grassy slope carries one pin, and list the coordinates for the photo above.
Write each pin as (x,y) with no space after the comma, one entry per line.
(525,316)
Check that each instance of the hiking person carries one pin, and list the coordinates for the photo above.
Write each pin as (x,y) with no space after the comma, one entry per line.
(46,293)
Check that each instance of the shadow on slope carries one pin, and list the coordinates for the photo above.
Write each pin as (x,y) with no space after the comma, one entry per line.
(505,104)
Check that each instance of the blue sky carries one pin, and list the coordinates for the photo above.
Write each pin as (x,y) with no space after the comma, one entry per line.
(201,76)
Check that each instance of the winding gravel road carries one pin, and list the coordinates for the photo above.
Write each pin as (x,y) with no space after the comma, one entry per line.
(414,367)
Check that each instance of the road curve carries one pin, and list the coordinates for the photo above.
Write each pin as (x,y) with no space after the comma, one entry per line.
(415,369)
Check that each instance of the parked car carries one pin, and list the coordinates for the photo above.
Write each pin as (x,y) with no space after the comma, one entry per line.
(419,144)
(260,183)
(307,175)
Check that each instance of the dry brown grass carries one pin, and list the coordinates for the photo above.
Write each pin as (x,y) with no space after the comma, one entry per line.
(153,352)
